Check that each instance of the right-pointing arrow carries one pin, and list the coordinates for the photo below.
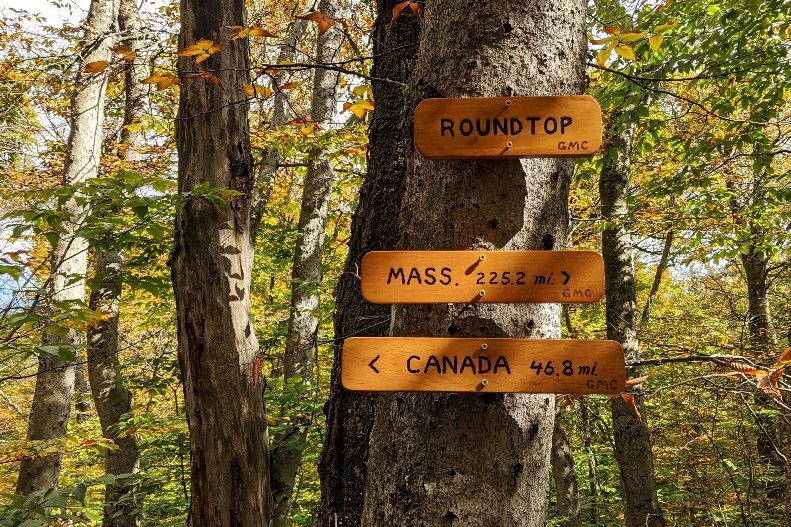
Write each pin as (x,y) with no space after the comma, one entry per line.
(371,364)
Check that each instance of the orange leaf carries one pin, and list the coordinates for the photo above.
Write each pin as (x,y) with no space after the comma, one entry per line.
(307,130)
(201,50)
(289,86)
(254,89)
(162,81)
(205,75)
(629,398)
(125,52)
(96,66)
(745,368)
(256,370)
(612,30)
(785,356)
(636,381)
(400,7)
(321,19)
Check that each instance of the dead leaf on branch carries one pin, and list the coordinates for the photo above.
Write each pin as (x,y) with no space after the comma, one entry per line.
(96,66)
(324,22)
(125,52)
(629,399)
(399,8)
(769,384)
(635,381)
(205,75)
(251,90)
(162,81)
(745,368)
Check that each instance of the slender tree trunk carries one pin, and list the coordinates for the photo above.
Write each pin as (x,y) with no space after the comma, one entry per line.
(468,459)
(593,482)
(303,324)
(660,269)
(111,397)
(49,415)
(210,267)
(565,474)
(343,465)
(632,438)
(270,158)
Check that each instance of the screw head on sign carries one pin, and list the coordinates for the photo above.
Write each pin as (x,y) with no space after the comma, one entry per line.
(509,144)
(482,257)
(484,345)
(481,292)
(508,102)
(484,382)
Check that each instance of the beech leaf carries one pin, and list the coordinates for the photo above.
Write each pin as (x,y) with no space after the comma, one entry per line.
(655,41)
(96,66)
(201,50)
(125,52)
(324,22)
(399,8)
(629,398)
(253,31)
(626,52)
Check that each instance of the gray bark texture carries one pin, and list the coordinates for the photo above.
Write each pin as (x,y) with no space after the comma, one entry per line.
(210,267)
(49,414)
(303,324)
(270,158)
(111,397)
(565,474)
(632,437)
(375,227)
(660,269)
(470,459)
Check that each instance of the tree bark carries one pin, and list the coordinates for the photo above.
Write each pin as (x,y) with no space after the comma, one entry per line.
(303,324)
(469,459)
(111,397)
(375,227)
(210,267)
(660,269)
(565,474)
(49,414)
(632,437)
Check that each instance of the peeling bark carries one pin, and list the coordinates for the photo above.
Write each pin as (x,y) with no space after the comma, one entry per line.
(210,267)
(300,354)
(469,459)
(49,414)
(343,465)
(632,437)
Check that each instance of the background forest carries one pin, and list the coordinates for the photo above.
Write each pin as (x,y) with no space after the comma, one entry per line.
(696,97)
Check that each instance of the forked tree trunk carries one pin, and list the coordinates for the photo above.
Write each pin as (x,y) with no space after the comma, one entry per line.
(343,465)
(469,459)
(303,324)
(210,267)
(49,414)
(632,437)
(111,397)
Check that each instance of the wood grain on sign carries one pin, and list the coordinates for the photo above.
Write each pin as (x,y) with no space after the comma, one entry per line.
(482,365)
(425,277)
(508,127)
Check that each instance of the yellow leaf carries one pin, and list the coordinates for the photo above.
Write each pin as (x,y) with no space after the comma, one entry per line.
(321,19)
(664,27)
(360,108)
(655,41)
(252,90)
(162,81)
(289,86)
(603,55)
(309,128)
(600,41)
(201,50)
(125,52)
(626,52)
(253,31)
(362,89)
(631,36)
(96,66)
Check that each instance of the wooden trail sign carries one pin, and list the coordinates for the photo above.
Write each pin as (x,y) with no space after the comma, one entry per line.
(508,127)
(425,277)
(419,364)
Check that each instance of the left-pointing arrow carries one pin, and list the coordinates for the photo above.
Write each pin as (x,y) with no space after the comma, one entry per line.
(371,364)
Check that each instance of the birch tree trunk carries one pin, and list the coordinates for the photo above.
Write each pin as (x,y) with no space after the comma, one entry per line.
(49,414)
(469,459)
(210,267)
(303,324)
(111,397)
(375,227)
(632,437)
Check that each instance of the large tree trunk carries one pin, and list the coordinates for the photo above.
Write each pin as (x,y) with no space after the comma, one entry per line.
(468,459)
(303,324)
(111,397)
(211,265)
(565,474)
(49,415)
(632,437)
(343,465)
